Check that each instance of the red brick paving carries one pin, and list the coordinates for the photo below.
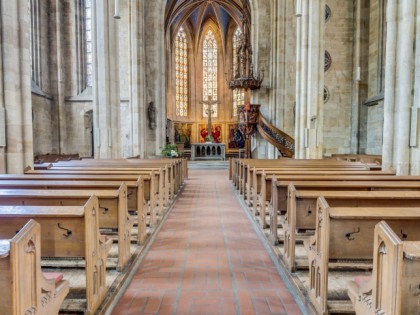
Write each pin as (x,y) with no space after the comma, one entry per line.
(207,259)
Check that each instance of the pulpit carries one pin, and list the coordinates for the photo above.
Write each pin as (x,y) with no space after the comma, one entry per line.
(208,151)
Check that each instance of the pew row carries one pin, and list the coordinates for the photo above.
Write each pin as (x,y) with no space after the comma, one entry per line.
(111,211)
(145,195)
(135,193)
(68,232)
(343,240)
(158,192)
(260,189)
(394,286)
(301,211)
(280,193)
(25,289)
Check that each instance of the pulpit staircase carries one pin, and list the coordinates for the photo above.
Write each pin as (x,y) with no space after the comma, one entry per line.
(281,140)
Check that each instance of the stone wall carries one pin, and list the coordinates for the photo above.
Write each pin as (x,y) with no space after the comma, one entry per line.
(43,118)
(79,126)
(375,112)
(374,128)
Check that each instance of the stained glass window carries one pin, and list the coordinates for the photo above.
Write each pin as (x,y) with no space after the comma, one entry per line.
(238,95)
(181,74)
(88,39)
(210,72)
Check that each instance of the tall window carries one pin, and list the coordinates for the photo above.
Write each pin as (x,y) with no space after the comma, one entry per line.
(181,73)
(210,71)
(34,46)
(382,45)
(238,94)
(88,42)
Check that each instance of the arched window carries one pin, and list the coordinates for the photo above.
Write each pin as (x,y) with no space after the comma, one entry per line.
(181,73)
(210,71)
(88,42)
(34,46)
(238,95)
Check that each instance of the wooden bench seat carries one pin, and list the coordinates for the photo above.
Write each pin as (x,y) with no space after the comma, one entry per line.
(68,232)
(280,193)
(176,168)
(158,192)
(147,184)
(112,209)
(260,178)
(250,182)
(135,194)
(260,187)
(343,239)
(301,210)
(243,167)
(395,283)
(261,190)
(25,289)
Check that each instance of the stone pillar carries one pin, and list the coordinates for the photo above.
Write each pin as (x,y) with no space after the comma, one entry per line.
(415,151)
(310,79)
(399,85)
(360,75)
(155,71)
(106,94)
(15,87)
(138,79)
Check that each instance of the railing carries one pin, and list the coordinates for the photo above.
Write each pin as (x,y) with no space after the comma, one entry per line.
(282,141)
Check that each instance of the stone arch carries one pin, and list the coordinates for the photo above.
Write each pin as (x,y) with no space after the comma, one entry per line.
(157,52)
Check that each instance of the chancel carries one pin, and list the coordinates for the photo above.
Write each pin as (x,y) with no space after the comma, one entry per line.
(209,156)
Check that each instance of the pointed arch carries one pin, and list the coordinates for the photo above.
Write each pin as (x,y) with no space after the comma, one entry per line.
(181,74)
(210,70)
(237,95)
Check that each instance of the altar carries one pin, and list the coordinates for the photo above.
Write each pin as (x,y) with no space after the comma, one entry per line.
(208,151)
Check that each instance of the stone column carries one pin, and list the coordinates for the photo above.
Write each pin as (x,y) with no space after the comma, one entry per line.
(15,87)
(137,77)
(155,71)
(398,85)
(415,154)
(310,79)
(106,94)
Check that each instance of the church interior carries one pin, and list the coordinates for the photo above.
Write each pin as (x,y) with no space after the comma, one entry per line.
(209,157)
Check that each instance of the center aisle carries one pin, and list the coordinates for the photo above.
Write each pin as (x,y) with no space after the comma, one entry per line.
(207,259)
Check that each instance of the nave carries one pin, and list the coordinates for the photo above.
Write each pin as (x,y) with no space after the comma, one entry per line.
(207,259)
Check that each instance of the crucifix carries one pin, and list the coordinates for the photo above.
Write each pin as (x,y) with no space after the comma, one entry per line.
(209,111)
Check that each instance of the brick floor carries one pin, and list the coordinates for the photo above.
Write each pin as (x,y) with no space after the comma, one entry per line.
(207,259)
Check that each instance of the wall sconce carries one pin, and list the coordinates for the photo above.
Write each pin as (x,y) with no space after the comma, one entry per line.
(117,9)
(298,8)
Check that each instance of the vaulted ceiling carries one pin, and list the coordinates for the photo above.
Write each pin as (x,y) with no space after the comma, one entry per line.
(195,13)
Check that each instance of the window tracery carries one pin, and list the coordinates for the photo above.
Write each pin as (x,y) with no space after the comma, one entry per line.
(181,74)
(210,71)
(238,95)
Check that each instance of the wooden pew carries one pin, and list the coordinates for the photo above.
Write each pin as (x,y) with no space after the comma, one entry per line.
(158,192)
(25,289)
(253,181)
(68,232)
(135,194)
(343,239)
(112,209)
(176,168)
(301,210)
(395,283)
(265,194)
(140,197)
(260,187)
(241,173)
(280,193)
